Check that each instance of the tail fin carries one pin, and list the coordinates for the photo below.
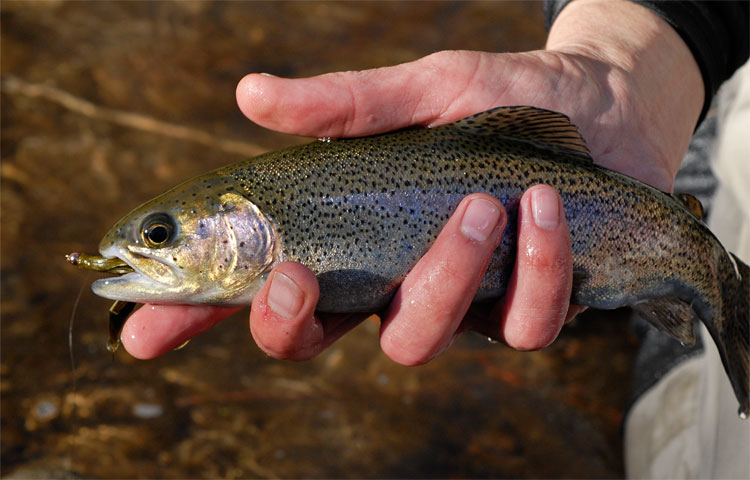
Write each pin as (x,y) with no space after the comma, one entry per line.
(732,332)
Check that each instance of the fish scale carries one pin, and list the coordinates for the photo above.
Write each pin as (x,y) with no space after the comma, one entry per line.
(397,217)
(361,212)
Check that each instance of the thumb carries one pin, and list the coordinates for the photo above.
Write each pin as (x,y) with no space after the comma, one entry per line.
(436,89)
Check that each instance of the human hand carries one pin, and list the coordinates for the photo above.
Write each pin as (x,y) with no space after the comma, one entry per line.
(606,88)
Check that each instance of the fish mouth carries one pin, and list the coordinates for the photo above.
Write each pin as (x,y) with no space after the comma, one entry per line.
(112,266)
(134,283)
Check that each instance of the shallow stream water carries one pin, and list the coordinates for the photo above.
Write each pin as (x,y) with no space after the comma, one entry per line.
(75,158)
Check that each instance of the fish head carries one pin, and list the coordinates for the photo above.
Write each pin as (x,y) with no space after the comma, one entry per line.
(200,243)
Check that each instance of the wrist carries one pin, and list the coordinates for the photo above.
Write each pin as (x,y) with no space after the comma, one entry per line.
(643,65)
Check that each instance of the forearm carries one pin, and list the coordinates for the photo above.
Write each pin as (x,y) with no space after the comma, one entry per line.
(645,64)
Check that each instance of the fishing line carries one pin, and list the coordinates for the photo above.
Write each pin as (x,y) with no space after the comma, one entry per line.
(74,383)
(70,329)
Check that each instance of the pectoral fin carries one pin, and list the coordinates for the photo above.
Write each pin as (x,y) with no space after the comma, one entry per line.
(118,315)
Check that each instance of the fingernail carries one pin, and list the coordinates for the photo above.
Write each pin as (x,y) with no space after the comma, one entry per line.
(479,220)
(545,208)
(284,296)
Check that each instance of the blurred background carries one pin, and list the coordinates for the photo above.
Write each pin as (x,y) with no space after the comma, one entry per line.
(107,104)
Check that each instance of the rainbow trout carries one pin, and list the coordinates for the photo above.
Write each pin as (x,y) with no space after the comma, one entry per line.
(360,212)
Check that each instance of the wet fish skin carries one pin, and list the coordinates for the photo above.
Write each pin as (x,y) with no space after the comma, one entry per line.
(361,212)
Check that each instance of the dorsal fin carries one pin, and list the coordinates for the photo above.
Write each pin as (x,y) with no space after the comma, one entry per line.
(540,127)
(691,203)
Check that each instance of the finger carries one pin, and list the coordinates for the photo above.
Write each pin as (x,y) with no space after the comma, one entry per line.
(283,321)
(156,329)
(436,89)
(481,318)
(428,307)
(537,300)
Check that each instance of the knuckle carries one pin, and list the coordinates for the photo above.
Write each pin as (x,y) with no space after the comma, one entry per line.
(403,353)
(537,326)
(448,270)
(276,346)
(545,259)
(288,349)
(416,337)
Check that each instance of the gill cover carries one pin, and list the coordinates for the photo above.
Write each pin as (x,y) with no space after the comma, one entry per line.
(218,253)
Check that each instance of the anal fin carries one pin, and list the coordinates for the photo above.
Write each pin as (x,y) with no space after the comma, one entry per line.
(671,315)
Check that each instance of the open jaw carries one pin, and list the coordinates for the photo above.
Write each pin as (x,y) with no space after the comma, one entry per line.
(138,285)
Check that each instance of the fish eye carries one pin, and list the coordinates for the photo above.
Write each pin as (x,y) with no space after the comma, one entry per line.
(157,230)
